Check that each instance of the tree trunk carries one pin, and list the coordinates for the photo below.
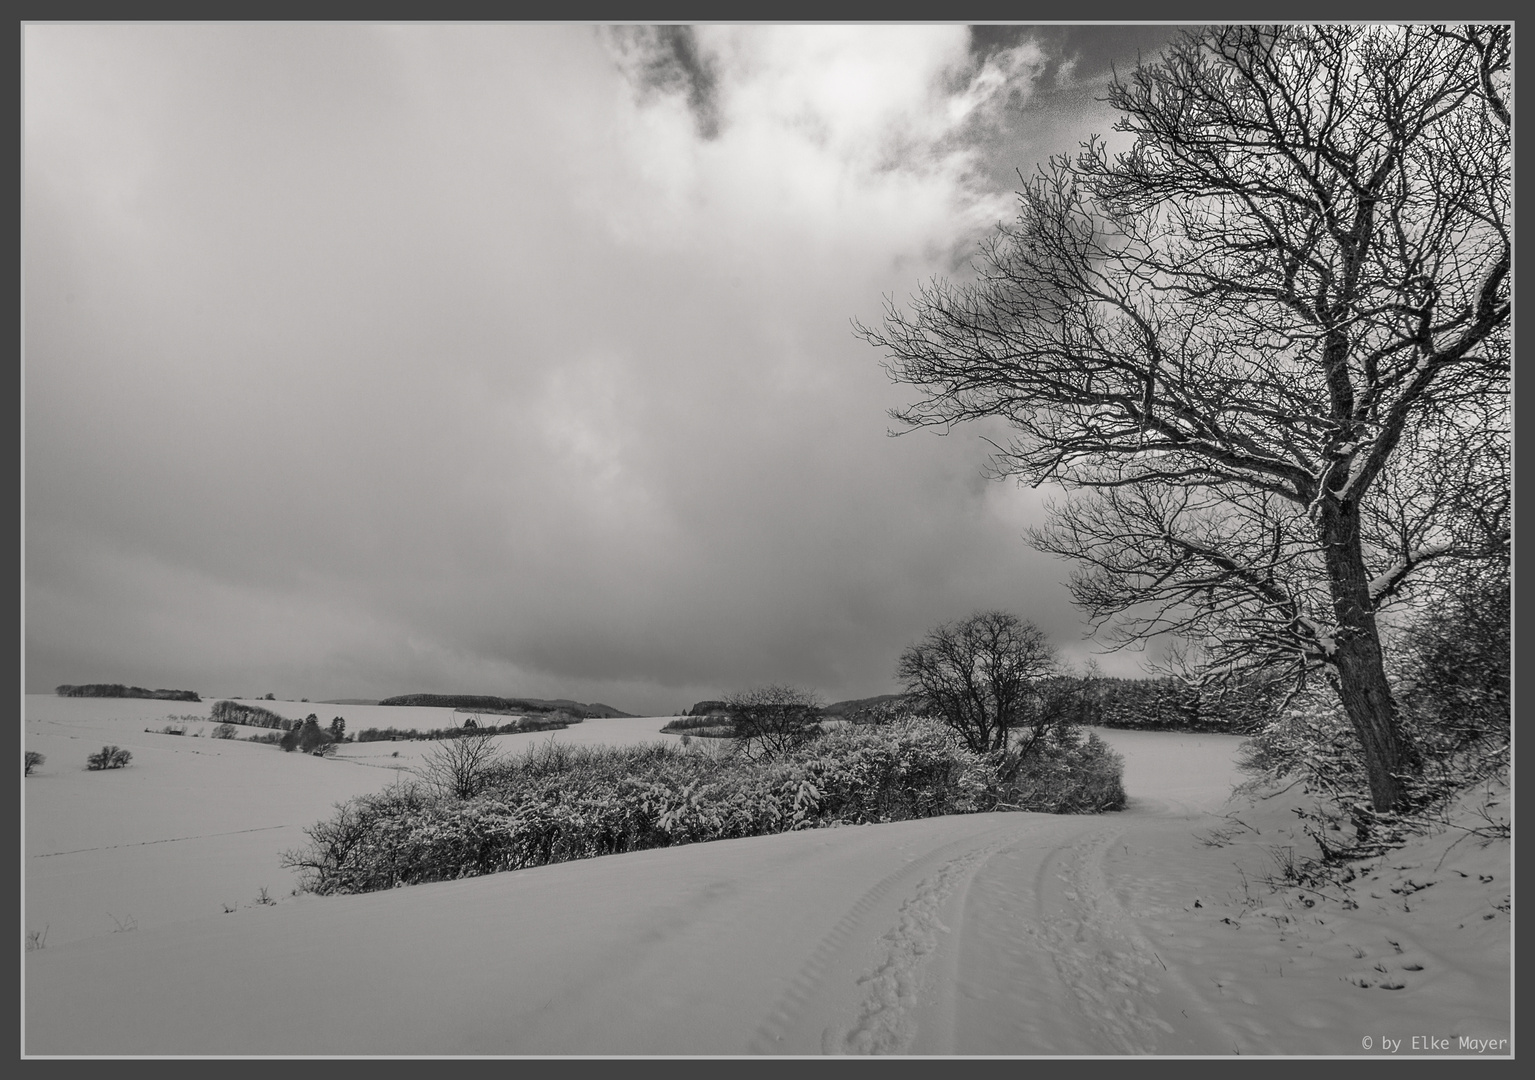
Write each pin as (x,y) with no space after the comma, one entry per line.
(1360,663)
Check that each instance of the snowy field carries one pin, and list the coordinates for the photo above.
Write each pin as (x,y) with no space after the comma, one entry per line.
(196,824)
(1148,931)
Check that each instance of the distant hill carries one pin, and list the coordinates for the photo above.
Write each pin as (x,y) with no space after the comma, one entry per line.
(118,690)
(485,703)
(349,701)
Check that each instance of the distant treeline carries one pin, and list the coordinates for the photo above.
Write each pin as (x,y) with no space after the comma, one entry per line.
(119,690)
(485,703)
(1160,704)
(525,723)
(1170,704)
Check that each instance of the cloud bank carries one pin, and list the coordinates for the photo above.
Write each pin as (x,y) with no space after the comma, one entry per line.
(507,359)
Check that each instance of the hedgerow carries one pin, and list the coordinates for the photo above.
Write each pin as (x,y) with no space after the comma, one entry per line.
(556,802)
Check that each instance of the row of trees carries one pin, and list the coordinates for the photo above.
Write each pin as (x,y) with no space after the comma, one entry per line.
(120,690)
(1264,353)
(996,681)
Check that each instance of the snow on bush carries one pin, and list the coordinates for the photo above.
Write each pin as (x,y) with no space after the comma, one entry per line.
(558,803)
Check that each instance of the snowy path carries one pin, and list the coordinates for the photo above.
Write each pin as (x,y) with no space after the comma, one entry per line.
(1010,934)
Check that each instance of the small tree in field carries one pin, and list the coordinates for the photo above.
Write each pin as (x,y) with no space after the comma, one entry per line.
(984,676)
(30,760)
(770,721)
(111,757)
(1265,352)
(461,767)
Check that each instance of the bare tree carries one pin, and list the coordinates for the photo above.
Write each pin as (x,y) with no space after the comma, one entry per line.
(770,721)
(1265,351)
(460,767)
(983,676)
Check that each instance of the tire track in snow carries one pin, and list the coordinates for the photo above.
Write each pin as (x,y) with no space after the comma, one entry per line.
(1105,968)
(1119,982)
(916,922)
(166,840)
(885,1024)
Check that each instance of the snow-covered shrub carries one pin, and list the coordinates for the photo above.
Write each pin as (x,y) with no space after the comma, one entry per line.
(224,731)
(1070,774)
(111,757)
(559,802)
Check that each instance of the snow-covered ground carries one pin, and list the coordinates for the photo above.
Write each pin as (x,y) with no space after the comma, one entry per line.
(1148,931)
(196,825)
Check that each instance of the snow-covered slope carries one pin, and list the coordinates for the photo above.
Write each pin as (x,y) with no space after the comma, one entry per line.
(1150,931)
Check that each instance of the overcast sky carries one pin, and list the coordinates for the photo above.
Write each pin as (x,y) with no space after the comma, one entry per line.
(365,360)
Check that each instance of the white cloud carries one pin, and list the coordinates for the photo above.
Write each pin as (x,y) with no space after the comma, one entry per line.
(863,136)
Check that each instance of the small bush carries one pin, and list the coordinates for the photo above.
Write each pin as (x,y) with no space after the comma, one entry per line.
(111,757)
(225,731)
(30,760)
(460,768)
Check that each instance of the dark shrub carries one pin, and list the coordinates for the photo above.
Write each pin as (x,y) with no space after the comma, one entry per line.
(772,721)
(30,760)
(307,737)
(461,768)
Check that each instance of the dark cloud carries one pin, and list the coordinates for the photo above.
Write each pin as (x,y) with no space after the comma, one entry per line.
(1082,54)
(667,60)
